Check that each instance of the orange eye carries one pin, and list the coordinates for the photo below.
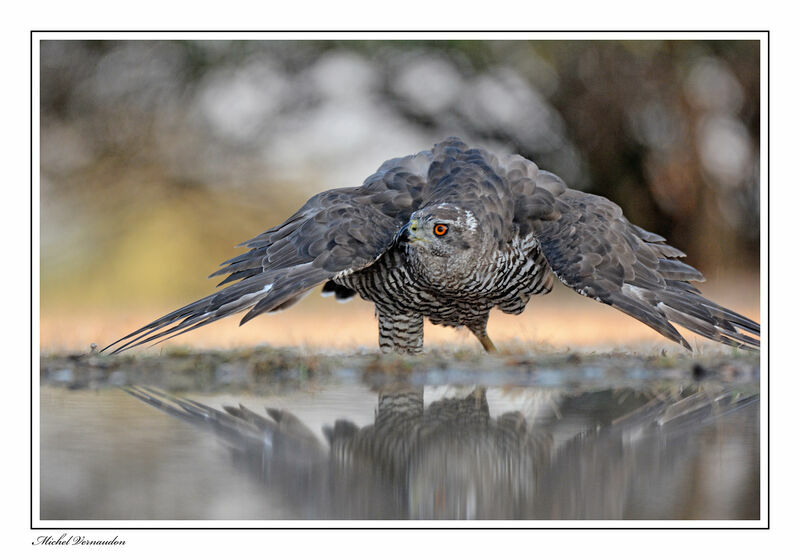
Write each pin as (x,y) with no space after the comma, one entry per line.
(440,229)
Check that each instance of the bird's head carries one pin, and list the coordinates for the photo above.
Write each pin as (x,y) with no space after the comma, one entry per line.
(444,244)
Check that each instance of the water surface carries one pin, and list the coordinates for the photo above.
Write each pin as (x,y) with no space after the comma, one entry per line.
(568,441)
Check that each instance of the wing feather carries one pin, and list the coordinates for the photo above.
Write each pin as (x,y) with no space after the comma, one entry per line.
(337,231)
(593,249)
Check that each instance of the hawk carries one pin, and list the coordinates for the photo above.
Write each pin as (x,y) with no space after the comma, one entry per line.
(449,234)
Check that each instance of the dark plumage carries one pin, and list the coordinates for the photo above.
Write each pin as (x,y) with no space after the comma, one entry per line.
(448,234)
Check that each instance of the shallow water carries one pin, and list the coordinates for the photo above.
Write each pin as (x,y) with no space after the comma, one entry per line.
(416,448)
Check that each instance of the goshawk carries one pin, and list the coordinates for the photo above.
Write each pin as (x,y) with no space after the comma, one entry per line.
(449,234)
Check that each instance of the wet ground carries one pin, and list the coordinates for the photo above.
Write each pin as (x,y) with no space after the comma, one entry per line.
(278,434)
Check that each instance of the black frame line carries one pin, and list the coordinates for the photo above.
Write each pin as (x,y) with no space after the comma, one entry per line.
(33,32)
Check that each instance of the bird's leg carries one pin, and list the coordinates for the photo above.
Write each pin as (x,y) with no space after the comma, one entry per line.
(487,343)
(479,330)
(399,332)
(477,399)
(399,401)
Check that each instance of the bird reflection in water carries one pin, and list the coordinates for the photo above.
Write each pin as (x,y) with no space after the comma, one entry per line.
(452,460)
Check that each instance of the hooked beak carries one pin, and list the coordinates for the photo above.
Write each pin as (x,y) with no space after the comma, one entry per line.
(408,233)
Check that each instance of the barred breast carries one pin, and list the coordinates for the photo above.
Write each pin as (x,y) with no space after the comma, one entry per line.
(508,281)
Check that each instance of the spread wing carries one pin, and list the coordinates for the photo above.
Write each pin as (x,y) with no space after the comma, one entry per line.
(594,250)
(335,232)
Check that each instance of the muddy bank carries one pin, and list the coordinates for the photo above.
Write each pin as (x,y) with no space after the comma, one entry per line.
(265,370)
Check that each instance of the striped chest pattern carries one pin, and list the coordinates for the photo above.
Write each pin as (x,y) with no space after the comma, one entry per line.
(507,281)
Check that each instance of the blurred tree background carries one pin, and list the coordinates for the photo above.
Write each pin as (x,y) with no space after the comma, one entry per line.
(158,156)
